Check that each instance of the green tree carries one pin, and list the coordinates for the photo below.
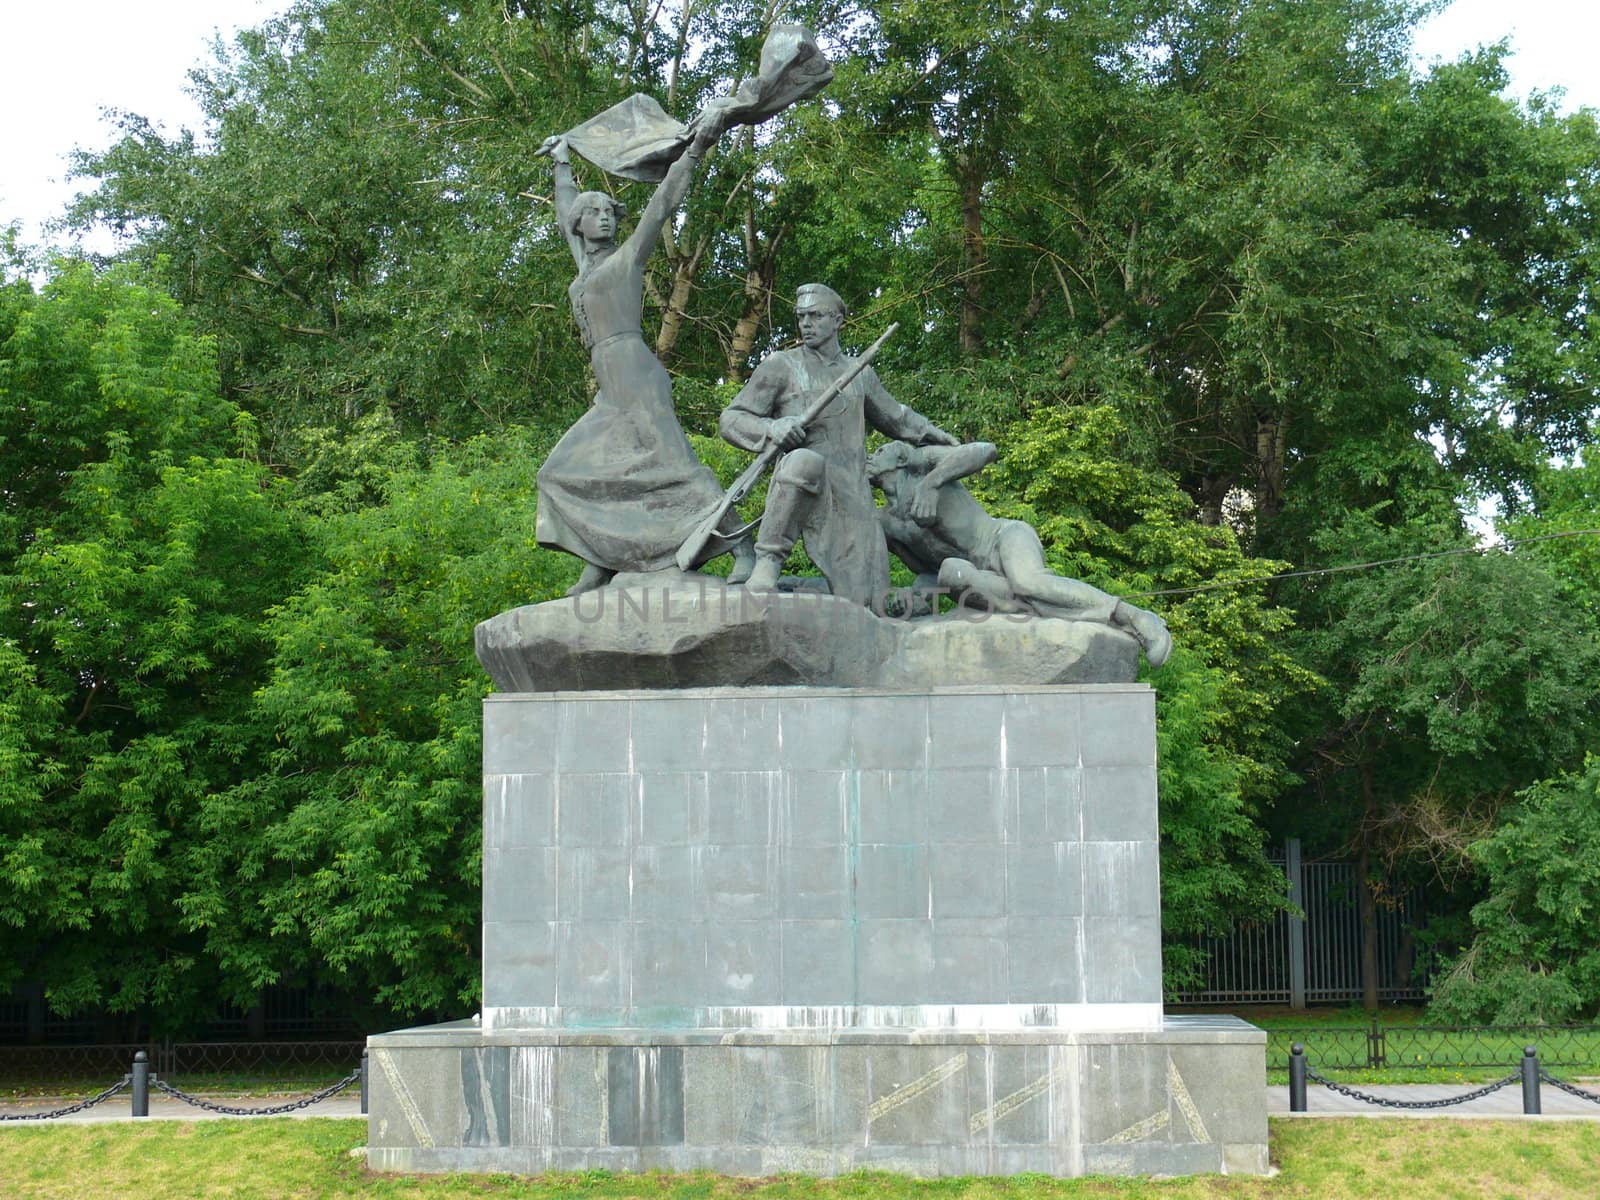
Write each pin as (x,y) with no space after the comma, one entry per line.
(1530,954)
(1564,512)
(1533,957)
(364,225)
(143,549)
(1452,683)
(1252,227)
(354,227)
(351,856)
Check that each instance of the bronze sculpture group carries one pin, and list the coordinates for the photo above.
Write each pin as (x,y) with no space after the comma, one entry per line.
(623,489)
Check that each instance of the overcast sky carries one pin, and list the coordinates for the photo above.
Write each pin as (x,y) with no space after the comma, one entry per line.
(64,63)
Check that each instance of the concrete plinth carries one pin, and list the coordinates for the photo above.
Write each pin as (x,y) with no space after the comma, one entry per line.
(761,929)
(1181,1099)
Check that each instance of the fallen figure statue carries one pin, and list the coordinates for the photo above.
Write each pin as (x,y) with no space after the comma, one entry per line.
(936,527)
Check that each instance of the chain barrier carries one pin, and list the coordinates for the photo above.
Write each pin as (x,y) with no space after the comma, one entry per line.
(292,1106)
(73,1108)
(1571,1089)
(1368,1098)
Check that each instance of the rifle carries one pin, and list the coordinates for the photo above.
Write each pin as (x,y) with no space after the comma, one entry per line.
(696,542)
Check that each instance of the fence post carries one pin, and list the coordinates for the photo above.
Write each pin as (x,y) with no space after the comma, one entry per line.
(1297,923)
(35,994)
(141,1084)
(1377,1048)
(1530,1081)
(363,1083)
(1297,1078)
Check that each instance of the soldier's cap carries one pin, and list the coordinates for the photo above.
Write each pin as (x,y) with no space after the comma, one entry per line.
(818,295)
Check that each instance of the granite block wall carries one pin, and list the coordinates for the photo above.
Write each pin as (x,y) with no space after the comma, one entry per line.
(821,856)
(1183,1099)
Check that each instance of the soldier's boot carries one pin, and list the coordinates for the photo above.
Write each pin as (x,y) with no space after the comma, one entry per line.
(744,560)
(794,489)
(763,576)
(743,552)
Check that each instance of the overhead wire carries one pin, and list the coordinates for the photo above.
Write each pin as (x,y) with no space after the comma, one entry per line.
(1366,566)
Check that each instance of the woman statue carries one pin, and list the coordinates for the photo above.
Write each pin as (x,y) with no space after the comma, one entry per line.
(623,489)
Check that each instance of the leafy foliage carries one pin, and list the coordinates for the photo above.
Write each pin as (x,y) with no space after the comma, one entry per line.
(142,560)
(1534,957)
(1454,681)
(354,851)
(1233,286)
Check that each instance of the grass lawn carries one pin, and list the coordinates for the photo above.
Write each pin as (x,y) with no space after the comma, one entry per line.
(281,1158)
(1273,1016)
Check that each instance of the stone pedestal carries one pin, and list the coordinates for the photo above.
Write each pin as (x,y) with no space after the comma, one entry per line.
(762,929)
(1186,1098)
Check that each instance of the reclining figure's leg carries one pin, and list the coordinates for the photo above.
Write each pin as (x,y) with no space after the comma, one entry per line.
(1022,560)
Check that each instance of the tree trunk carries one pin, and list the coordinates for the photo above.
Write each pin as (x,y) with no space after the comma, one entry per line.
(1366,900)
(684,269)
(1213,493)
(973,252)
(762,270)
(757,292)
(1269,466)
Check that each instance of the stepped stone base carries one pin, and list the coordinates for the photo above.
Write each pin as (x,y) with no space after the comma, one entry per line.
(1183,1099)
(812,929)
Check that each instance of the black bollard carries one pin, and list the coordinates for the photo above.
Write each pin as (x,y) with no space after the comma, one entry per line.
(363,1083)
(1297,1078)
(141,1084)
(1530,1081)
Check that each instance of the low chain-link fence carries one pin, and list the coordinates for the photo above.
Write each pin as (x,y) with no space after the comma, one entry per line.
(1395,1102)
(1570,1089)
(68,1110)
(1403,1048)
(268,1110)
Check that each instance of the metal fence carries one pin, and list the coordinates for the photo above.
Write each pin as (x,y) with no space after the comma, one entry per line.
(1314,958)
(1376,1046)
(284,1012)
(50,1067)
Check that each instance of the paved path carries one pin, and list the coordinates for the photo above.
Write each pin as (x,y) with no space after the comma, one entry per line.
(163,1108)
(1507,1102)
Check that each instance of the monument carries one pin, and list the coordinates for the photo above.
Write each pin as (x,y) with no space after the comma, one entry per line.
(781,877)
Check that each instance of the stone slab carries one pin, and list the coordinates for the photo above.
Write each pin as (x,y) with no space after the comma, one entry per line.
(766,857)
(1183,1098)
(673,630)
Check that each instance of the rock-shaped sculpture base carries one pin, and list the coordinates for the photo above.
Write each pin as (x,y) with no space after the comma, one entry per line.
(673,630)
